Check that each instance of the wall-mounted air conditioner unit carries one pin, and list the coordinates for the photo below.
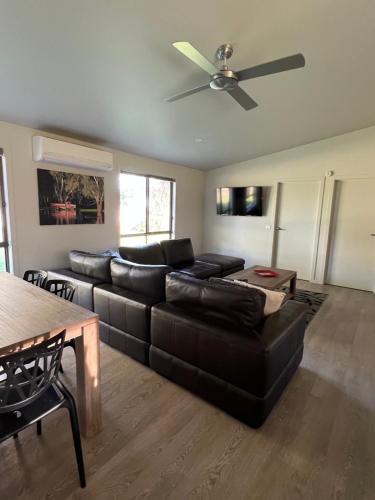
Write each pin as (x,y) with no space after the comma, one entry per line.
(48,150)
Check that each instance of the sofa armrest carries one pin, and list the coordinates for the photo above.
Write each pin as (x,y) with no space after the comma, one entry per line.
(289,320)
(281,335)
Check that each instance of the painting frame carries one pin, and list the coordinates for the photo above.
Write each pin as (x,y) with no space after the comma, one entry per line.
(67,198)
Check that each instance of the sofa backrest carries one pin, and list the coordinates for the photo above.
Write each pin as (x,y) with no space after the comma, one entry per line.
(140,278)
(145,254)
(89,264)
(240,310)
(178,253)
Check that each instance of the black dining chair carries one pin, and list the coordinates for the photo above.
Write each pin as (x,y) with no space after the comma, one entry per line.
(62,288)
(30,390)
(36,277)
(66,290)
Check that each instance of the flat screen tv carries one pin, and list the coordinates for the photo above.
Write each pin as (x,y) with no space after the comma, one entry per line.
(239,200)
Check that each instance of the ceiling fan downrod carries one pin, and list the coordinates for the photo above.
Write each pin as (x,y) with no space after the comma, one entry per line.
(223,53)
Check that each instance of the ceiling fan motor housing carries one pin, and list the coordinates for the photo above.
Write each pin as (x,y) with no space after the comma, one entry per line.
(224,80)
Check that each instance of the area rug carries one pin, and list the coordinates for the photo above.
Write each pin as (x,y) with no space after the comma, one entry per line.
(313,299)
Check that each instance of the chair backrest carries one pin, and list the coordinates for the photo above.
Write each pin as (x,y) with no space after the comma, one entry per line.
(27,374)
(36,277)
(62,288)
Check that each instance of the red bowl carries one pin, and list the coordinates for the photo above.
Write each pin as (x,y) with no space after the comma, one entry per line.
(266,273)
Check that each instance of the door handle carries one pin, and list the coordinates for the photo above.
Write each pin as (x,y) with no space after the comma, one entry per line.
(372,234)
(278,228)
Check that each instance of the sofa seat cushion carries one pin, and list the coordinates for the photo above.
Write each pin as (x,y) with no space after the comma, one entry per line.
(226,262)
(123,309)
(231,271)
(201,270)
(85,285)
(252,363)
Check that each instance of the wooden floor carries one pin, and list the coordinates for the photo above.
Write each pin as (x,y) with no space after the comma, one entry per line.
(161,442)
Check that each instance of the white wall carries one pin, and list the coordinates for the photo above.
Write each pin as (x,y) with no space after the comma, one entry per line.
(35,246)
(351,154)
(47,246)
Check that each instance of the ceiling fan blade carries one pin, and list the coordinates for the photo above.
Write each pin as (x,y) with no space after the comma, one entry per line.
(187,93)
(194,55)
(242,98)
(283,64)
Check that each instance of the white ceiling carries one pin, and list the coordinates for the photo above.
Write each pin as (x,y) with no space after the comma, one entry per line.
(101,69)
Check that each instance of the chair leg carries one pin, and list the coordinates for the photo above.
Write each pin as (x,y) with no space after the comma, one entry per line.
(39,427)
(61,369)
(77,440)
(73,345)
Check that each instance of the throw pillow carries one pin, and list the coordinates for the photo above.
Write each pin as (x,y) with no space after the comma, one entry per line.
(274,299)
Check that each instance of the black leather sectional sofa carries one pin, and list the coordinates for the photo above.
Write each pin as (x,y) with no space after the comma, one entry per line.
(204,335)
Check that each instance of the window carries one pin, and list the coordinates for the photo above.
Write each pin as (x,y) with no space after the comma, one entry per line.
(4,246)
(146,209)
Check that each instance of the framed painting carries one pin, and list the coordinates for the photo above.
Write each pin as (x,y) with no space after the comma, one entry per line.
(66,198)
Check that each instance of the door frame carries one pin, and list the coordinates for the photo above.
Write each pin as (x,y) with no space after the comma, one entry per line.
(4,243)
(327,232)
(315,273)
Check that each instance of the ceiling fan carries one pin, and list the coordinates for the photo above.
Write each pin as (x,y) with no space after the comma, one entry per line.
(223,78)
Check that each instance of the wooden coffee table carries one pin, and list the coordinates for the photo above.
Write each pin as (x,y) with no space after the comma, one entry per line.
(270,283)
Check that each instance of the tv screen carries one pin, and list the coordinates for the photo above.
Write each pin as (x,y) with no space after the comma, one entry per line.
(239,200)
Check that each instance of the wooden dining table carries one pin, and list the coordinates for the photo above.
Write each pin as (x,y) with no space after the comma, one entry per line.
(29,315)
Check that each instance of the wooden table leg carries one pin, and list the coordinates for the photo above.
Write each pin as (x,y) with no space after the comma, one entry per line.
(88,380)
(292,288)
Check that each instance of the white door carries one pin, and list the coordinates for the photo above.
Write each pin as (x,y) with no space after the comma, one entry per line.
(297,225)
(352,250)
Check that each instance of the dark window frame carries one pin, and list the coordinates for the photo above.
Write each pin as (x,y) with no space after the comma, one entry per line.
(170,231)
(4,243)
